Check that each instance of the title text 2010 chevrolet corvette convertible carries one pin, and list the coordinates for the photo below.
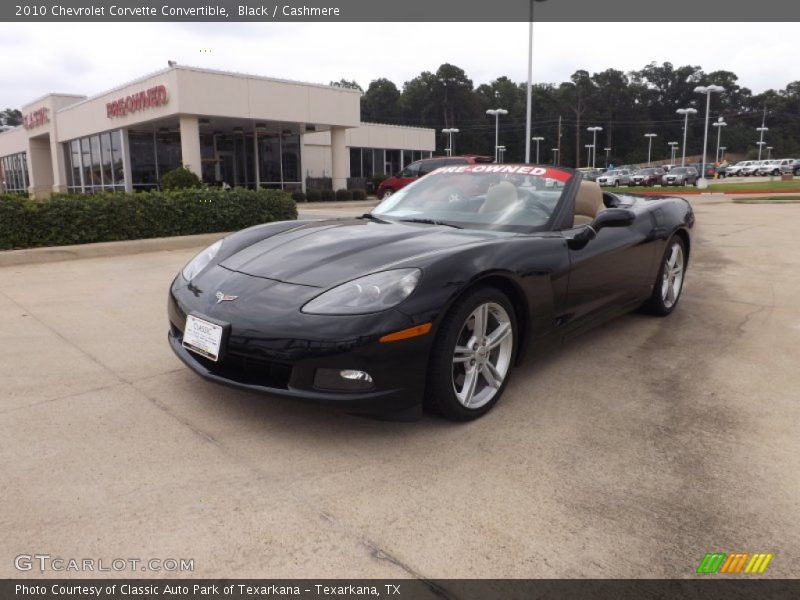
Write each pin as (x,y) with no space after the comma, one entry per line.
(433,296)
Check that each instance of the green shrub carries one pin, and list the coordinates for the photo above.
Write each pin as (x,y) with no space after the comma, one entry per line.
(326,195)
(313,195)
(180,179)
(359,194)
(65,219)
(344,194)
(377,179)
(298,196)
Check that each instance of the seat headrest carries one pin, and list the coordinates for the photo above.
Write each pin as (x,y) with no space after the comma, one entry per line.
(589,200)
(499,197)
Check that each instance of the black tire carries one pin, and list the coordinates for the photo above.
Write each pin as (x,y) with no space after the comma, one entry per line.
(656,304)
(440,396)
(386,193)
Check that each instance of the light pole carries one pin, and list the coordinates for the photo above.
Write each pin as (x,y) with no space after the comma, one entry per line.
(722,152)
(719,125)
(536,139)
(594,131)
(707,90)
(607,151)
(589,148)
(673,147)
(529,99)
(685,112)
(761,142)
(501,151)
(769,152)
(496,112)
(450,131)
(649,137)
(555,155)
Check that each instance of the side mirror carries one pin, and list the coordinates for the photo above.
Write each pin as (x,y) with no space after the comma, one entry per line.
(613,217)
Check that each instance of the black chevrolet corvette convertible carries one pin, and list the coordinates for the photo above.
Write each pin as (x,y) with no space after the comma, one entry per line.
(431,298)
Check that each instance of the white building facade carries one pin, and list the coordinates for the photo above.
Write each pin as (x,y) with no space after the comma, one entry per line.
(240,130)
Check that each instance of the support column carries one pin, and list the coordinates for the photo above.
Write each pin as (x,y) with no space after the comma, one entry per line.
(190,145)
(338,158)
(58,164)
(303,163)
(126,160)
(40,167)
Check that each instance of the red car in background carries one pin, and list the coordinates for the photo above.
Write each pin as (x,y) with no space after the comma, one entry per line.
(422,167)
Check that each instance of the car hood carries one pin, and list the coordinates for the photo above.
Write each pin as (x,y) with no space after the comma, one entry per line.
(322,253)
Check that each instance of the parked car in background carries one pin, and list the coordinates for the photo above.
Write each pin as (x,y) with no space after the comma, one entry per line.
(648,177)
(775,166)
(699,168)
(422,167)
(680,176)
(615,177)
(735,169)
(793,167)
(590,174)
(752,169)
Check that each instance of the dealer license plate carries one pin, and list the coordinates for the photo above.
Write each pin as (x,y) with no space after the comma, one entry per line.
(202,337)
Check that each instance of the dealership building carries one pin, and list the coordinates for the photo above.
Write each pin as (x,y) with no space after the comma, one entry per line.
(229,128)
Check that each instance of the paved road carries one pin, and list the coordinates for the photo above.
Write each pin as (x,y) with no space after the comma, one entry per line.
(629,452)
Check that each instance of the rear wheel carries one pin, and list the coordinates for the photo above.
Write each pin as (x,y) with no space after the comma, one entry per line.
(669,281)
(386,193)
(472,355)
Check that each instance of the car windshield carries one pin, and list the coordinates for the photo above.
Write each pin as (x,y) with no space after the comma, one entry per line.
(503,197)
(679,170)
(612,172)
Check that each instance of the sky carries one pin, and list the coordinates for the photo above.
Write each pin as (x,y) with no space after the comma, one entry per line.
(89,58)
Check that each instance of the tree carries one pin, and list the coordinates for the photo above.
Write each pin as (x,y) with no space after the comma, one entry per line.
(11,117)
(381,102)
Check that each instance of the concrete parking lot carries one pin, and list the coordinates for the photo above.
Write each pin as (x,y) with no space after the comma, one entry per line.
(629,452)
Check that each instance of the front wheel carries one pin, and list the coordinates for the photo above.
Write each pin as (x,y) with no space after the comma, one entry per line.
(669,281)
(472,356)
(386,193)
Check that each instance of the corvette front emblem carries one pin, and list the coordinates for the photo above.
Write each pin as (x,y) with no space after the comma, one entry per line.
(224,297)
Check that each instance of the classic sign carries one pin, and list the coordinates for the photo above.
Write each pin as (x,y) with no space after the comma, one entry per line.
(36,118)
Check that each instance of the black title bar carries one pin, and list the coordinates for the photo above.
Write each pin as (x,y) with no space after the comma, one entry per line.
(601,11)
(710,588)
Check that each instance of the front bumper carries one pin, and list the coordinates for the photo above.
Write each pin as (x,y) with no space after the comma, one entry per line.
(278,351)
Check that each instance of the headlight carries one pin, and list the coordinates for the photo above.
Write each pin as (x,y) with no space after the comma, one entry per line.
(369,294)
(200,262)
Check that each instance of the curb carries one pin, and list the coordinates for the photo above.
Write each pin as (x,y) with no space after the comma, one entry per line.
(28,256)
(340,204)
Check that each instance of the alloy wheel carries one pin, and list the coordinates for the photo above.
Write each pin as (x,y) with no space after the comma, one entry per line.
(482,356)
(672,279)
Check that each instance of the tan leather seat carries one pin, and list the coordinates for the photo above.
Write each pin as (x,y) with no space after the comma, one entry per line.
(500,196)
(588,202)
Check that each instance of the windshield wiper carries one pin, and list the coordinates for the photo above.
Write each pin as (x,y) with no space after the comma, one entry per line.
(371,217)
(431,222)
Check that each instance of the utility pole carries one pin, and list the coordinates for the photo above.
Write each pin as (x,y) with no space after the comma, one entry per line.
(559,139)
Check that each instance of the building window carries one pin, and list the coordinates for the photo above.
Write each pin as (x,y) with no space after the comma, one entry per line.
(392,162)
(14,173)
(143,160)
(355,162)
(366,157)
(290,158)
(168,151)
(94,163)
(407,157)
